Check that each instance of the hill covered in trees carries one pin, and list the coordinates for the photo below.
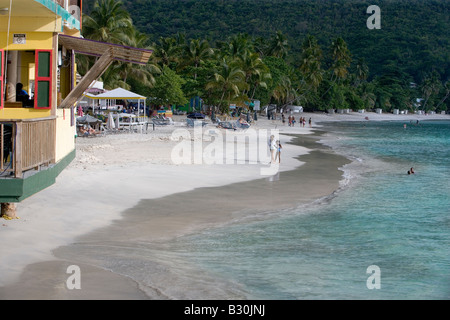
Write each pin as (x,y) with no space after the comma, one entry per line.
(413,35)
(317,53)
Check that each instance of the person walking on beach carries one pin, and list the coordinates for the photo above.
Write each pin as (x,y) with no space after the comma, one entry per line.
(278,155)
(310,122)
(283,119)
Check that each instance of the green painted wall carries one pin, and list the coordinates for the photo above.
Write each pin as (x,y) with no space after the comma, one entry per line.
(16,190)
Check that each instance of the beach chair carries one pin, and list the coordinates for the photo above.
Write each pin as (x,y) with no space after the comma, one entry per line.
(160,122)
(192,122)
(226,125)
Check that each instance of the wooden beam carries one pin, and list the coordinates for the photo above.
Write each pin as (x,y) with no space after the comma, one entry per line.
(96,71)
(17,134)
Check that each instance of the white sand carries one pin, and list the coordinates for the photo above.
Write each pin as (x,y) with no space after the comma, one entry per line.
(112,173)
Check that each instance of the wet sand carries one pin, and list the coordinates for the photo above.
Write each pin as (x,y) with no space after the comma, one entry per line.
(155,222)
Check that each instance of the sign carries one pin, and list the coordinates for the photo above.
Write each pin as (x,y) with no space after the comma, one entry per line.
(19,38)
(257,105)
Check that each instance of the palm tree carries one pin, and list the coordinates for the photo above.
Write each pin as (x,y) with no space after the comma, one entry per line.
(447,93)
(284,93)
(195,53)
(278,46)
(310,62)
(228,82)
(142,73)
(252,66)
(236,47)
(430,86)
(167,51)
(341,58)
(108,22)
(362,70)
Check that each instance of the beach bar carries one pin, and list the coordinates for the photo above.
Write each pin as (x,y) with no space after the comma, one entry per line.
(39,40)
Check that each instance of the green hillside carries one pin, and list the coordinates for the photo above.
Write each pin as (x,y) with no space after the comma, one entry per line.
(413,35)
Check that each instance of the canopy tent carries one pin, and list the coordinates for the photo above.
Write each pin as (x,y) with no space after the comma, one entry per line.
(118,94)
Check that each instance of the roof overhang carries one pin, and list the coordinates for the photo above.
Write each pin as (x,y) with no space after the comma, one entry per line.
(97,48)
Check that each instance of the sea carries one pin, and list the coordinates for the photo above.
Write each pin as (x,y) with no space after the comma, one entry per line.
(384,234)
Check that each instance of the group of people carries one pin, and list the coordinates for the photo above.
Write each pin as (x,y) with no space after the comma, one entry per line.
(87,130)
(411,171)
(292,121)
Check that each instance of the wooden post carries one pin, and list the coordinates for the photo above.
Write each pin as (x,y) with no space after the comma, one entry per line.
(17,134)
(96,71)
(1,145)
(8,211)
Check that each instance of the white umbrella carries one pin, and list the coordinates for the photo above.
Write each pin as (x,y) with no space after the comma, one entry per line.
(110,123)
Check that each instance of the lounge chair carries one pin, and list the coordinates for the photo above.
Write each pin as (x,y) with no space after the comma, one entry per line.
(226,125)
(192,122)
(160,122)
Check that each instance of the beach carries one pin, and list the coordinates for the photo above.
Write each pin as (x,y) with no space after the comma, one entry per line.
(103,198)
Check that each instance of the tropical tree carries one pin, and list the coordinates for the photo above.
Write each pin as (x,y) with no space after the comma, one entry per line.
(340,59)
(430,86)
(278,46)
(194,54)
(108,22)
(310,62)
(228,82)
(446,90)
(142,73)
(167,89)
(166,51)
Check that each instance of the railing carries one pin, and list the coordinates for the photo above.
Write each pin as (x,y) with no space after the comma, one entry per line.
(26,144)
(6,146)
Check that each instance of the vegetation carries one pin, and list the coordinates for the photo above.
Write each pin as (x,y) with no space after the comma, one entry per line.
(318,54)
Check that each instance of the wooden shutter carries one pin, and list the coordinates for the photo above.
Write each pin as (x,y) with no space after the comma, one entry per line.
(43,79)
(2,78)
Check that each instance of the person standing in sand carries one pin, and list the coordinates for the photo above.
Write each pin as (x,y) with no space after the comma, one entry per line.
(273,148)
(278,154)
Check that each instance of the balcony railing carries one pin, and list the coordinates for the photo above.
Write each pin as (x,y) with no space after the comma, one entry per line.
(25,145)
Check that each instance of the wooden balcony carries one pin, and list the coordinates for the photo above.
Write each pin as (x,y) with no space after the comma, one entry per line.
(26,145)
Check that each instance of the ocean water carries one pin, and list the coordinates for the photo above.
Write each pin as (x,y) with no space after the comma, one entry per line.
(380,216)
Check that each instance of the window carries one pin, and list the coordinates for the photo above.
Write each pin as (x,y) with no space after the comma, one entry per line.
(43,79)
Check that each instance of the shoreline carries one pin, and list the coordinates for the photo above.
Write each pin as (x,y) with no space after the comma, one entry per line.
(64,233)
(162,226)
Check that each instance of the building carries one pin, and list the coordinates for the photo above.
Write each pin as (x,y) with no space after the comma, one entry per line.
(39,40)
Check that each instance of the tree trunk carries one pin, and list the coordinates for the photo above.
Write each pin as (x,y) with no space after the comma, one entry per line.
(8,211)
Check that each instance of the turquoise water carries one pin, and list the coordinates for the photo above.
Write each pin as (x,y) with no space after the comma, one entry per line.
(381,216)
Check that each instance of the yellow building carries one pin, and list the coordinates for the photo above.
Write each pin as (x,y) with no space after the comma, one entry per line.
(38,43)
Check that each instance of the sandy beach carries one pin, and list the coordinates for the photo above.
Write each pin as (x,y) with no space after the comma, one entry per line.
(125,188)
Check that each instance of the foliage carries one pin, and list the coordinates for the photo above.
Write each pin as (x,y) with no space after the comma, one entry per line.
(316,53)
(167,89)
